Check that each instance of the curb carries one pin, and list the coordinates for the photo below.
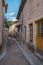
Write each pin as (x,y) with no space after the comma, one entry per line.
(39,56)
(2,56)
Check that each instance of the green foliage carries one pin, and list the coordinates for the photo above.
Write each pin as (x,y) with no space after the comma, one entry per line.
(7,24)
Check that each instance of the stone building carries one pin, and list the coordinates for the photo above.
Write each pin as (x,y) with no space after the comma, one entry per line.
(3,10)
(32,24)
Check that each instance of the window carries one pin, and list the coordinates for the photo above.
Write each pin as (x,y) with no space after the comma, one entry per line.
(31,32)
(40,29)
(25,32)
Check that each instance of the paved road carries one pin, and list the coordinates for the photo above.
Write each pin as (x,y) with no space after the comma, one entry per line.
(14,55)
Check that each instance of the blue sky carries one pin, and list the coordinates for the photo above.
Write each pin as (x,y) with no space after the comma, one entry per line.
(13,7)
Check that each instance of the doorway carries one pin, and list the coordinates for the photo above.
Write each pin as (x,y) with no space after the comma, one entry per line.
(39,35)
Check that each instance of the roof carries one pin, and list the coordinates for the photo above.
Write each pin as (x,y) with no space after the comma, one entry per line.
(21,8)
(4,4)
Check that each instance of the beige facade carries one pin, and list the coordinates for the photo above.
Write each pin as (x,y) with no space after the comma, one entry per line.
(12,29)
(2,12)
(32,11)
(3,9)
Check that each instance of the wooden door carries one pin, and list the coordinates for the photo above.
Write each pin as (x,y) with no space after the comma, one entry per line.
(39,36)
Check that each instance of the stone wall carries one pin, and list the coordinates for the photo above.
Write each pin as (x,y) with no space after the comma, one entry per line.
(32,11)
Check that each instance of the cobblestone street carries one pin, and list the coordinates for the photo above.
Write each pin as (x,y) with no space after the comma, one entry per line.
(14,55)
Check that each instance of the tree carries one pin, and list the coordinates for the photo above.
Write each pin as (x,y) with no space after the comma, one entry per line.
(7,24)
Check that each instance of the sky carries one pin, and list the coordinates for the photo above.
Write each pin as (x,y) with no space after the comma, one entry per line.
(12,10)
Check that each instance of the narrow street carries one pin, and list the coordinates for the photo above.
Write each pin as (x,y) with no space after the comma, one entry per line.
(14,55)
(21,32)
